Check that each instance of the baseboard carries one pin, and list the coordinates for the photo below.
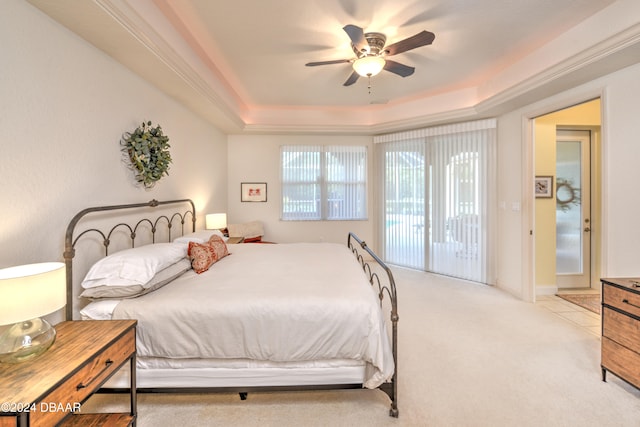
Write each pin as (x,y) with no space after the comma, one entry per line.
(546,290)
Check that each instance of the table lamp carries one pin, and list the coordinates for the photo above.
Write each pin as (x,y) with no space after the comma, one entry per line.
(216,221)
(26,293)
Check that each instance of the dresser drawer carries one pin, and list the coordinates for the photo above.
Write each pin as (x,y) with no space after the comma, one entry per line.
(622,299)
(621,328)
(621,361)
(84,382)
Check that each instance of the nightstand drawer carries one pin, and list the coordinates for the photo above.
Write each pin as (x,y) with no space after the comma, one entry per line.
(84,382)
(621,361)
(621,328)
(622,299)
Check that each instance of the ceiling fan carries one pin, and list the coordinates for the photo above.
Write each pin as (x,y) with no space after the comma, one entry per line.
(371,53)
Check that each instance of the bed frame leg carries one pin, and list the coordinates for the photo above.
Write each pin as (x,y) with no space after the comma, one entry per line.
(390,390)
(393,412)
(243,396)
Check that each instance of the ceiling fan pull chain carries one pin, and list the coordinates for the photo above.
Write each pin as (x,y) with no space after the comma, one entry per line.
(369,86)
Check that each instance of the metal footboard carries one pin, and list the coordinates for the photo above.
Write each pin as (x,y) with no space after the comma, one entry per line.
(384,287)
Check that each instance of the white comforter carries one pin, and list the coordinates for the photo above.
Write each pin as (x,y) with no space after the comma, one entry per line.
(284,302)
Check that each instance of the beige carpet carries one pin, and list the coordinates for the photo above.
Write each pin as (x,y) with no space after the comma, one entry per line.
(470,356)
(590,302)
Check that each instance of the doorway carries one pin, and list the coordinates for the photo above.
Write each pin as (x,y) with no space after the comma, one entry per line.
(566,146)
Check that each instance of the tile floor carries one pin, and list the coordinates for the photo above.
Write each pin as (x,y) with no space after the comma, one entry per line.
(573,313)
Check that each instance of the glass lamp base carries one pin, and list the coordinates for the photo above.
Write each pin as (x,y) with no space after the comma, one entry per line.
(26,340)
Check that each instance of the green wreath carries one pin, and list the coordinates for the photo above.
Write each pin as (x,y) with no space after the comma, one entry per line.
(147,150)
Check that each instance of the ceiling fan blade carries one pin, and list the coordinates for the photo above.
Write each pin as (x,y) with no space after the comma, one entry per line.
(352,79)
(421,39)
(398,68)
(335,61)
(356,34)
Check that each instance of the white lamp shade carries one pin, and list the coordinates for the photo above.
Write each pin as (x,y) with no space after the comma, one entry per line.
(30,291)
(369,66)
(216,221)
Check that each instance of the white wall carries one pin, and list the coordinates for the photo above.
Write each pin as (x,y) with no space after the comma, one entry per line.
(620,175)
(63,108)
(511,204)
(256,158)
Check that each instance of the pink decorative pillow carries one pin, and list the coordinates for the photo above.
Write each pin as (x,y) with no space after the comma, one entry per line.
(219,247)
(204,255)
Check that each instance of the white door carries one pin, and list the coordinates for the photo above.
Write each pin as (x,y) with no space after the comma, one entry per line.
(573,209)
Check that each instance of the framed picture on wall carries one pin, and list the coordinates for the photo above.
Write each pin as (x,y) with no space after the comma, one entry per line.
(253,192)
(544,186)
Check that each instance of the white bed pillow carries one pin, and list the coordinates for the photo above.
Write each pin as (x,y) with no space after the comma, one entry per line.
(162,278)
(99,310)
(135,266)
(201,236)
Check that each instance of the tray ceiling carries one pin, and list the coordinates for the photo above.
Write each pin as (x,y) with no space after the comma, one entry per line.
(241,64)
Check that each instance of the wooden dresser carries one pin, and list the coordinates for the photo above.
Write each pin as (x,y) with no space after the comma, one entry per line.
(621,329)
(50,389)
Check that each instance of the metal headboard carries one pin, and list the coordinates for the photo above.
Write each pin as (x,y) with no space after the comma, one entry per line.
(167,220)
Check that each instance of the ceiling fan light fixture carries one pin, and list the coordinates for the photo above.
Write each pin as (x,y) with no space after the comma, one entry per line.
(369,66)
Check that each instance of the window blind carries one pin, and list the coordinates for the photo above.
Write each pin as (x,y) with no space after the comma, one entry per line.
(438,197)
(323,182)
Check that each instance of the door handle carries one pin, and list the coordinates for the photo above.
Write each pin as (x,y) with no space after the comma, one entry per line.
(587,229)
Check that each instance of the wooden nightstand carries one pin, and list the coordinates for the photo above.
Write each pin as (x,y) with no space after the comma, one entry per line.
(50,389)
(621,329)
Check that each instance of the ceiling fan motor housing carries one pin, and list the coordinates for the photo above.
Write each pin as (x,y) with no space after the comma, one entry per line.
(376,43)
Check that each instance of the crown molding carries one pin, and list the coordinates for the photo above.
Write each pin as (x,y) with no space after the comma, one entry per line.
(144,32)
(450,116)
(614,53)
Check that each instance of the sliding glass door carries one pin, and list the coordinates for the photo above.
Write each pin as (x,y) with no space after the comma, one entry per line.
(404,203)
(437,197)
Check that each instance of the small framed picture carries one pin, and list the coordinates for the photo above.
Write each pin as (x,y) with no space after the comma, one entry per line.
(253,192)
(544,186)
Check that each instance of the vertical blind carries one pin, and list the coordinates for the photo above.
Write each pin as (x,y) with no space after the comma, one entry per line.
(323,182)
(437,199)
(404,202)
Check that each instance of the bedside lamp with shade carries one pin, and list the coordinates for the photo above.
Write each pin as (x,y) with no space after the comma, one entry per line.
(216,221)
(26,293)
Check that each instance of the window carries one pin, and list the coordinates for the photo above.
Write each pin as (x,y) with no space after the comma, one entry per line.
(323,182)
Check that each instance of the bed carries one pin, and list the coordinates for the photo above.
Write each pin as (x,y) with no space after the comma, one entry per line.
(294,316)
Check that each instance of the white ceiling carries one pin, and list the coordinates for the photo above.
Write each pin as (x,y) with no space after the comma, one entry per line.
(241,63)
